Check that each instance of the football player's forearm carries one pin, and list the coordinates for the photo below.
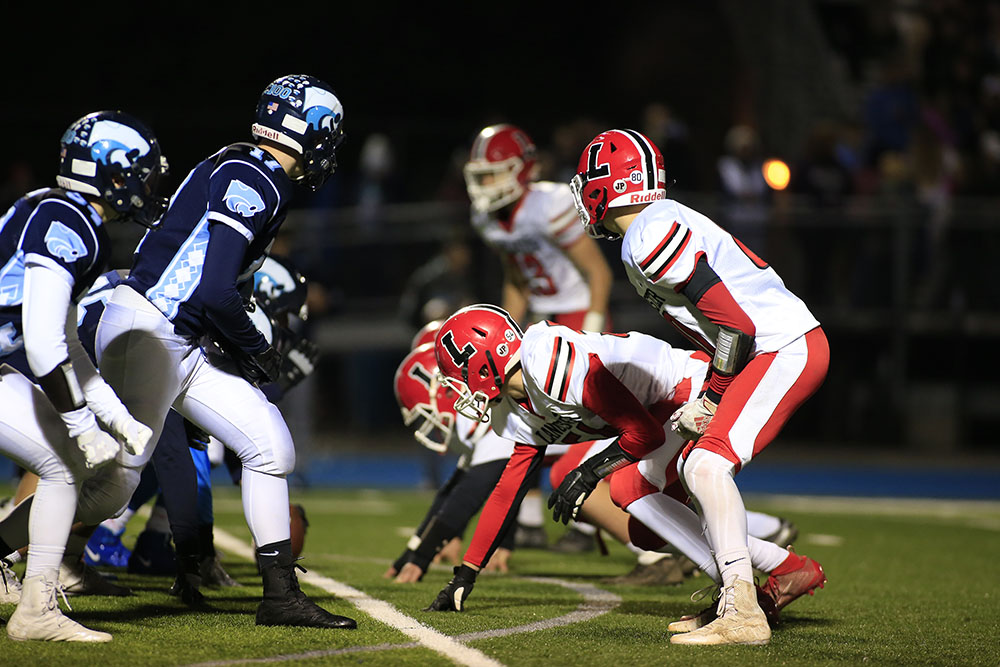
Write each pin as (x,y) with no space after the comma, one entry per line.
(501,507)
(223,303)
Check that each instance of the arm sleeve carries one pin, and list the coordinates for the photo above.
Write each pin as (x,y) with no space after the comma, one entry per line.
(47,300)
(223,304)
(500,511)
(606,396)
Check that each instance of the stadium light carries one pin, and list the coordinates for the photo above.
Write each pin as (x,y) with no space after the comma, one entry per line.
(776,174)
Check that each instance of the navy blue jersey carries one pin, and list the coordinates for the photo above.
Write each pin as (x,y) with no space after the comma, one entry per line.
(242,188)
(53,227)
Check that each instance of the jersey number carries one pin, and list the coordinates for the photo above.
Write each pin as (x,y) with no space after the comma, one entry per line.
(539,282)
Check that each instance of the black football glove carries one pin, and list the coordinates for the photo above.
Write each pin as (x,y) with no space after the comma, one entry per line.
(261,368)
(297,363)
(197,437)
(453,597)
(576,487)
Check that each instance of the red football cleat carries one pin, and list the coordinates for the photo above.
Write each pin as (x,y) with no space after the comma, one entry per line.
(794,578)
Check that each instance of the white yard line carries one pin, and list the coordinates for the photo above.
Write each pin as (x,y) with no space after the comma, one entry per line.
(381,611)
(596,602)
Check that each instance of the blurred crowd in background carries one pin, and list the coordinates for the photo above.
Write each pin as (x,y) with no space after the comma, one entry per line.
(887,226)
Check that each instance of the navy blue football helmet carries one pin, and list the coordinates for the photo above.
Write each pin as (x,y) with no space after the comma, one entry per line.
(303,113)
(113,156)
(278,288)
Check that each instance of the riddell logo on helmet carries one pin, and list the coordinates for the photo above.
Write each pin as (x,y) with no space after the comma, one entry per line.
(266,132)
(640,198)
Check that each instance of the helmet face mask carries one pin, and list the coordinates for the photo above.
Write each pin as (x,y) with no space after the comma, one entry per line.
(280,288)
(618,168)
(477,349)
(427,405)
(303,114)
(114,157)
(500,166)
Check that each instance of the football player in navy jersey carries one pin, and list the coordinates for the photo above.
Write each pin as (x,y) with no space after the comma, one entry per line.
(53,245)
(184,286)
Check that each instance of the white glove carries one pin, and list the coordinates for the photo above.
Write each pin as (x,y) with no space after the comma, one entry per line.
(98,447)
(593,321)
(692,419)
(131,433)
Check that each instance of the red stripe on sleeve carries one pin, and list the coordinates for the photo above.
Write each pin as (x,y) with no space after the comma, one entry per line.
(666,239)
(552,366)
(673,258)
(569,372)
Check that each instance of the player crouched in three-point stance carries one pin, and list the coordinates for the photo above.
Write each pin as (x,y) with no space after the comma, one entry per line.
(53,245)
(184,286)
(559,385)
(769,353)
(551,269)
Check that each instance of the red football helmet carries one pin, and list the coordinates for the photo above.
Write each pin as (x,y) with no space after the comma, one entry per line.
(428,406)
(426,334)
(618,168)
(500,167)
(476,348)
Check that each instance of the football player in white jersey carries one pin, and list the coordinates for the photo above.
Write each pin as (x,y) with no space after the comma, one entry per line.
(428,408)
(769,353)
(552,270)
(554,384)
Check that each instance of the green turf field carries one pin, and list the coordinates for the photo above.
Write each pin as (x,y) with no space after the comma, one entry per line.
(911,583)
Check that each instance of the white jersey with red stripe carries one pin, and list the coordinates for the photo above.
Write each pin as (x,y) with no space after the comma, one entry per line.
(544,223)
(673,255)
(555,361)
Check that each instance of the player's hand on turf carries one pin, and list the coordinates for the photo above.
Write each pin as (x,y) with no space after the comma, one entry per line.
(498,562)
(691,420)
(410,574)
(450,553)
(454,595)
(565,501)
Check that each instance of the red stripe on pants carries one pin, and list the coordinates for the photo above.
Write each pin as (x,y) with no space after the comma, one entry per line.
(716,438)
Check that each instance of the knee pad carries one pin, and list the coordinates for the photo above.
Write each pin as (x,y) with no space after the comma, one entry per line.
(702,466)
(628,485)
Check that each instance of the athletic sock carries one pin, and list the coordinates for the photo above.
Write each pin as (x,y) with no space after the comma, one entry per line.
(270,553)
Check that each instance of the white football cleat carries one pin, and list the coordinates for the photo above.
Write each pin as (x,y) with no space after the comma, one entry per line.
(38,615)
(10,585)
(740,620)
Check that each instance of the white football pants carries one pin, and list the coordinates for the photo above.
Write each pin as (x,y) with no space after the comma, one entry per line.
(152,369)
(33,435)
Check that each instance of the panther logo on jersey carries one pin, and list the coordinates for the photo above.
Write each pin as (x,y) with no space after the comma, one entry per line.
(240,198)
(64,243)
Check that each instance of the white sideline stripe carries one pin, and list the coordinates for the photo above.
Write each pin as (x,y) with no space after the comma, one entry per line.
(596,602)
(379,610)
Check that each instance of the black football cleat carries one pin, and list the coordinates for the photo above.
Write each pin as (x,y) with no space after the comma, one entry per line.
(187,588)
(284,602)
